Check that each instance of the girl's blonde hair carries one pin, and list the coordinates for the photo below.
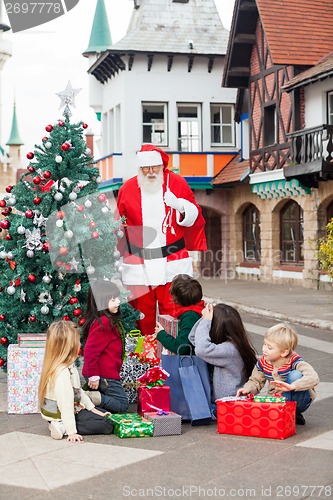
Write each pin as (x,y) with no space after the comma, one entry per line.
(283,336)
(61,350)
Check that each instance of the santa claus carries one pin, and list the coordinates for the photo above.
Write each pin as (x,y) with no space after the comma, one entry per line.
(162,222)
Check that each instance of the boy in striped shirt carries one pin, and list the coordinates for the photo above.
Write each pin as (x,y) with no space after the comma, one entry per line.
(284,369)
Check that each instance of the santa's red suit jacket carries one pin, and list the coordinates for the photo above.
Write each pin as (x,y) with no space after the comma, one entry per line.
(150,224)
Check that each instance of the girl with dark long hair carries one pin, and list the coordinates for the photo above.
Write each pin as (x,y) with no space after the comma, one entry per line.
(220,339)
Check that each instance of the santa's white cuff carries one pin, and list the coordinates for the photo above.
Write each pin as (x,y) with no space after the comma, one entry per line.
(190,214)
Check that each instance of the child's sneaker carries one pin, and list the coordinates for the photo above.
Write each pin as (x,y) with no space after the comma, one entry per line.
(57,429)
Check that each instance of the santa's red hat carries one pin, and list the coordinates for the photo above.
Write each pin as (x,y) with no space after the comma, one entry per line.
(150,156)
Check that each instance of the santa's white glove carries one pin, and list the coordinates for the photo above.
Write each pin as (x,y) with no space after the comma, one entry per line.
(172,201)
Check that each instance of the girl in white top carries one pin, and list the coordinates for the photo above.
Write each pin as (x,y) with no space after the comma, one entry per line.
(63,403)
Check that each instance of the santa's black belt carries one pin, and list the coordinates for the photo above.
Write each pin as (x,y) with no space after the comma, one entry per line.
(156,253)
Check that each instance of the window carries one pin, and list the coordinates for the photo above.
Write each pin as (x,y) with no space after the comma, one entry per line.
(292,240)
(330,108)
(154,120)
(222,127)
(269,125)
(251,234)
(189,130)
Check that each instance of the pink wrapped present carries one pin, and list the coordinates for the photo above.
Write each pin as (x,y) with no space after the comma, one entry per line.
(24,365)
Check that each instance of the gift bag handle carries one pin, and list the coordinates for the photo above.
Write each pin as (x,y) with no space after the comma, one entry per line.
(185,345)
(134,333)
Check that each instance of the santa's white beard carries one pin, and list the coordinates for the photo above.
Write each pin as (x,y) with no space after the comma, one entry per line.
(150,183)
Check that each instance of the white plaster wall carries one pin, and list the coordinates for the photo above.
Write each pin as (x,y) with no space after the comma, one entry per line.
(316,103)
(129,88)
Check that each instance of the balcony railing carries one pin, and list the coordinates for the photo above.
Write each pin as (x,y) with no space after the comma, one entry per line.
(312,145)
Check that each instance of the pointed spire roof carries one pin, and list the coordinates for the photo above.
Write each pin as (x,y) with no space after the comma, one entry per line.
(14,139)
(100,36)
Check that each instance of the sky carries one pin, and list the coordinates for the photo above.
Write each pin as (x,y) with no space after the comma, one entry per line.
(45,58)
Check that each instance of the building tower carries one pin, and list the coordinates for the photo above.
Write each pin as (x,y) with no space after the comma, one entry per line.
(15,142)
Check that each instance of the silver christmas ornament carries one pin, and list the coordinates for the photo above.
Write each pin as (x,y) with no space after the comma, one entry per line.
(120,233)
(87,203)
(116,254)
(11,200)
(10,255)
(58,196)
(46,279)
(59,223)
(30,254)
(99,179)
(72,196)
(88,151)
(21,230)
(58,159)
(69,234)
(90,270)
(3,254)
(48,145)
(105,210)
(44,310)
(11,290)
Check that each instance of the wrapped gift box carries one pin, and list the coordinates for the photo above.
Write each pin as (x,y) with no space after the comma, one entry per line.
(24,365)
(165,423)
(131,370)
(171,326)
(130,425)
(269,399)
(153,399)
(265,420)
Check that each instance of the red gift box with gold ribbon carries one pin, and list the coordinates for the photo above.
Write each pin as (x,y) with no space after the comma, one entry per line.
(249,418)
(152,394)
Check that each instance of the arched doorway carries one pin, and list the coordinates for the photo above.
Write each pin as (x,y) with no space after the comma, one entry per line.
(211,261)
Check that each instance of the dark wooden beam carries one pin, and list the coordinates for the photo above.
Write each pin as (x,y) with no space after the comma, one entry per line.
(244,38)
(170,62)
(190,63)
(210,64)
(239,71)
(247,6)
(130,61)
(150,58)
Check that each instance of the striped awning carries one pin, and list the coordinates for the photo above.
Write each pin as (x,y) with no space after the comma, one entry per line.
(279,189)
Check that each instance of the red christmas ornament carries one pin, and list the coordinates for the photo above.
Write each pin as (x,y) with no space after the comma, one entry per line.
(49,128)
(77,312)
(18,282)
(60,214)
(2,361)
(59,263)
(37,200)
(68,267)
(47,174)
(80,208)
(44,139)
(37,180)
(65,146)
(66,318)
(4,341)
(31,169)
(9,188)
(77,282)
(2,317)
(1,289)
(29,214)
(46,246)
(63,251)
(61,123)
(84,125)
(2,203)
(92,224)
(73,300)
(5,212)
(31,278)
(32,318)
(101,198)
(5,224)
(8,237)
(95,235)
(30,155)
(82,321)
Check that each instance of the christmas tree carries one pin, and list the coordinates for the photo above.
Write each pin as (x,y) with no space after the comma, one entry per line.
(61,233)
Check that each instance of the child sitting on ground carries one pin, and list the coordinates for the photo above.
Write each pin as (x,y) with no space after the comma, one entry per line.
(221,339)
(285,370)
(63,403)
(186,293)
